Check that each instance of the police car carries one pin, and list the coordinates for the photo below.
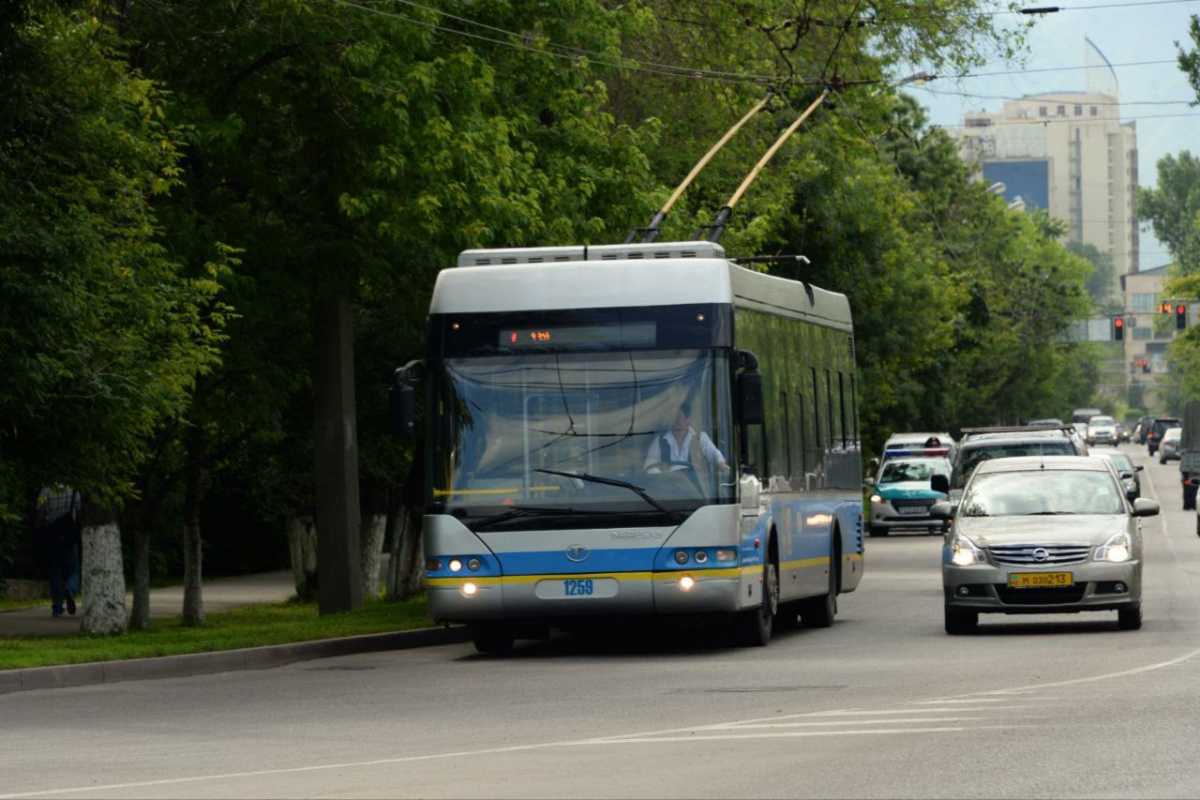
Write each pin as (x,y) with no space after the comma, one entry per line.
(901,494)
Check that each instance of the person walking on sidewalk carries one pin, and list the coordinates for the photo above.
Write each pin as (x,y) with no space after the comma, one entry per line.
(56,523)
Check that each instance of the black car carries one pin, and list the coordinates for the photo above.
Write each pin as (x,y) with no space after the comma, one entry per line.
(1158,428)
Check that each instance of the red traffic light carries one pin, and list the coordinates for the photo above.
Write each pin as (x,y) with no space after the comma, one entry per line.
(1180,309)
(1118,323)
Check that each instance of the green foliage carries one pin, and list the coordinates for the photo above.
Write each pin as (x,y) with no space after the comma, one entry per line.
(262,146)
(102,334)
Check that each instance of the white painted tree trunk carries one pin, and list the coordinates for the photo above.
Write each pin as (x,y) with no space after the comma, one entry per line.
(302,545)
(373,529)
(103,581)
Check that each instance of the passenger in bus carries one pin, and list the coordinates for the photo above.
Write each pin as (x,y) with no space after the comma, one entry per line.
(682,448)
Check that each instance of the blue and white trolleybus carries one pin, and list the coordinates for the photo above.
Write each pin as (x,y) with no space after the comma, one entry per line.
(638,429)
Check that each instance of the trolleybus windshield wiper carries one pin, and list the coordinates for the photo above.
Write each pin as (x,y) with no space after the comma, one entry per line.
(583,476)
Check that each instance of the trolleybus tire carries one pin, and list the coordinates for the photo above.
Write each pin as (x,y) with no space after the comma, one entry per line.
(753,628)
(1130,618)
(492,640)
(788,617)
(960,620)
(819,612)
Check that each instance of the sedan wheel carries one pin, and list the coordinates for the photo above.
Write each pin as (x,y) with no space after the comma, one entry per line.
(1130,619)
(960,621)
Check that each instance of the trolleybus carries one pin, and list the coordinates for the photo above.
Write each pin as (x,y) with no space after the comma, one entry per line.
(633,430)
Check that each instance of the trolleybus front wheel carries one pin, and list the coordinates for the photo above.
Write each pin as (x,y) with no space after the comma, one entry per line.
(492,640)
(754,628)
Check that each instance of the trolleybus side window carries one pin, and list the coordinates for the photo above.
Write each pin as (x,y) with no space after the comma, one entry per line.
(786,436)
(816,396)
(842,409)
(829,398)
(799,430)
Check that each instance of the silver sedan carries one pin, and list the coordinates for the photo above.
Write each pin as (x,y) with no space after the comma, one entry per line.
(1036,535)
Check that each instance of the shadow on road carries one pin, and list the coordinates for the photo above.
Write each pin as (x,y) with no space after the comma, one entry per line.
(1100,624)
(640,638)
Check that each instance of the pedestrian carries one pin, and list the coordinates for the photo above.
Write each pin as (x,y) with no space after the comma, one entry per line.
(56,523)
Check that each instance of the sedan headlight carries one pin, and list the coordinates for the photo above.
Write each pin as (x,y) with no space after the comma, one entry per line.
(1117,549)
(876,498)
(964,553)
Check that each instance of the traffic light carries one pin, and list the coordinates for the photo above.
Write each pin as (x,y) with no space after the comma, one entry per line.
(1180,317)
(1118,329)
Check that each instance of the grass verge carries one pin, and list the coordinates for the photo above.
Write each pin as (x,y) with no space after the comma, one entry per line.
(244,627)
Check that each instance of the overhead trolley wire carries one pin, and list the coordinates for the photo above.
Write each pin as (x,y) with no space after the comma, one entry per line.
(567,53)
(1047,95)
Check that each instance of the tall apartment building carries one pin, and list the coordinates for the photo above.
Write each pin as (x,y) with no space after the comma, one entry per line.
(1070,154)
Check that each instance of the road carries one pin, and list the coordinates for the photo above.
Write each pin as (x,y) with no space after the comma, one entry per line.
(883,704)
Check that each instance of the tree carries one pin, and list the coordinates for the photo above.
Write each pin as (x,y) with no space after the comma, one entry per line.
(349,152)
(103,334)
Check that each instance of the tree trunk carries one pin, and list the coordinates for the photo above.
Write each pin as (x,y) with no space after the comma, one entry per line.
(394,533)
(302,546)
(371,535)
(409,556)
(336,450)
(373,529)
(193,541)
(139,618)
(102,573)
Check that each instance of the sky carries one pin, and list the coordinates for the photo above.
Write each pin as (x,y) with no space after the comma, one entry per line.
(1131,34)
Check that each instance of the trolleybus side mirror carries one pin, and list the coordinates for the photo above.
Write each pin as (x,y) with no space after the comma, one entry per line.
(750,398)
(402,398)
(940,483)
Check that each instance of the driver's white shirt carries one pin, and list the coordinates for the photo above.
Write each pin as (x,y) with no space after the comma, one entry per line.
(681,453)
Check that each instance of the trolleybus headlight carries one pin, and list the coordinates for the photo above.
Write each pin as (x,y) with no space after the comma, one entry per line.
(455,565)
(473,565)
(433,564)
(681,556)
(701,557)
(726,555)
(469,589)
(687,582)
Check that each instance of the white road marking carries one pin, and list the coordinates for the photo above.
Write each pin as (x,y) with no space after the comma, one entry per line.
(859,722)
(811,734)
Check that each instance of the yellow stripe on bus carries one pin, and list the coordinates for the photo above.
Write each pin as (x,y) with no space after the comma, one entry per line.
(519,580)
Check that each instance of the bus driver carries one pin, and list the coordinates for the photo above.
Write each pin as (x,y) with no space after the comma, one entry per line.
(681,448)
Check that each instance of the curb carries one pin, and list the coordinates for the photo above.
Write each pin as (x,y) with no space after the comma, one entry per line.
(247,658)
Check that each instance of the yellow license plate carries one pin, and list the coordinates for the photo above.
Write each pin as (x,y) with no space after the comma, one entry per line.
(1039,580)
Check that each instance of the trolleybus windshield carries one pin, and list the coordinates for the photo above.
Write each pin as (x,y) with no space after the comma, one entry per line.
(506,424)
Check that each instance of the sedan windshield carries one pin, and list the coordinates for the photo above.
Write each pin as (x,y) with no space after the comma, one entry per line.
(921,469)
(1010,494)
(584,432)
(1095,421)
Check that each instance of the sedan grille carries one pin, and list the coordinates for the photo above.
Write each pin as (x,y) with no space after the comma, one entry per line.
(1022,555)
(912,503)
(1040,597)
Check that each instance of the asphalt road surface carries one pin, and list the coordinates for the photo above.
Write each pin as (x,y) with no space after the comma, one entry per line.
(883,704)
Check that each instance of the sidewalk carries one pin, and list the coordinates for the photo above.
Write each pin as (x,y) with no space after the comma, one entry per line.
(220,594)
